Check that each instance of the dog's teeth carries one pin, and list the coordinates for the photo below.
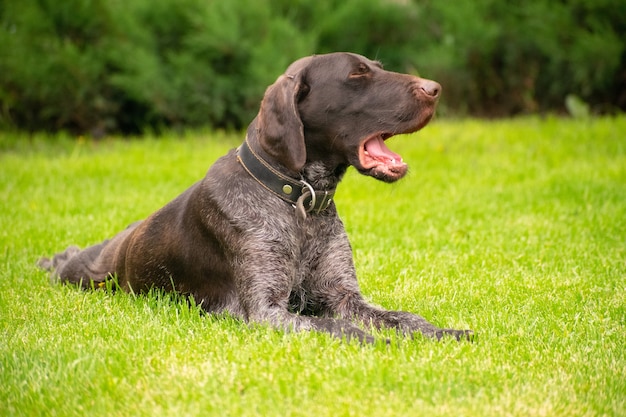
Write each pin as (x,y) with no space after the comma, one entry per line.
(366,152)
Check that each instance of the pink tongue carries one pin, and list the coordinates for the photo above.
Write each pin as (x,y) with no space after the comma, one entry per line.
(377,149)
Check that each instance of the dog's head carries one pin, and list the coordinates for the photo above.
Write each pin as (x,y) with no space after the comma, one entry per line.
(340,108)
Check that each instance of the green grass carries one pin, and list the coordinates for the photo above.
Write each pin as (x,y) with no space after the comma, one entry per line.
(516,229)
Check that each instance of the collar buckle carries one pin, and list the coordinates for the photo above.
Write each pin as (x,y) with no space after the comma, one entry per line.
(318,201)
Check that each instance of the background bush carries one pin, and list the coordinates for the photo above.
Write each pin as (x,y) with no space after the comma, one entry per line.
(101,66)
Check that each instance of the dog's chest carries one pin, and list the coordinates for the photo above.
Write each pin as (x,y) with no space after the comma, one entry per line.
(319,243)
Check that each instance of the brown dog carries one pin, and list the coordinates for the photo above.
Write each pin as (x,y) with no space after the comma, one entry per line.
(259,236)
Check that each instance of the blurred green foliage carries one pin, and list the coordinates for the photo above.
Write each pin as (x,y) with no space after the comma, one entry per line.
(101,66)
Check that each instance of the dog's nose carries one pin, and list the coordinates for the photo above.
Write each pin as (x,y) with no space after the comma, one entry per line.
(431,88)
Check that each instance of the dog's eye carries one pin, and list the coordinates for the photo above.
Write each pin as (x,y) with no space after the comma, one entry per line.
(360,70)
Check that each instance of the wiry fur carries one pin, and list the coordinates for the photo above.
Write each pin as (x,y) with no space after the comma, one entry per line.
(236,248)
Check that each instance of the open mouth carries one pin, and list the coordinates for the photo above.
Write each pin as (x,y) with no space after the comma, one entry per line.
(377,160)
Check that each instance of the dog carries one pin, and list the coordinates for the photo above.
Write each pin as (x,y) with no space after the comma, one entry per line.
(259,237)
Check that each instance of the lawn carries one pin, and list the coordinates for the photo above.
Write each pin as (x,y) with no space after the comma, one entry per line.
(515,229)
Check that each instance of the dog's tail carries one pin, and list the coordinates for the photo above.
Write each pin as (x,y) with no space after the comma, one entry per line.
(58,261)
(76,266)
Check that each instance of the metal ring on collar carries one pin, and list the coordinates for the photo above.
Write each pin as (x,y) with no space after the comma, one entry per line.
(313,196)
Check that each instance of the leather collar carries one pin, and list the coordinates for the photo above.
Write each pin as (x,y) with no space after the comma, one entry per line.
(298,192)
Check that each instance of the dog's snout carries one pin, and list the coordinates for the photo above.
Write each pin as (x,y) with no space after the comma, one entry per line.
(431,88)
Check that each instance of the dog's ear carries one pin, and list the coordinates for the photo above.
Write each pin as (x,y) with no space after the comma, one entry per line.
(281,132)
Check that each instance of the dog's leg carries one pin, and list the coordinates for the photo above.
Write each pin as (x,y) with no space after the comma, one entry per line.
(352,306)
(76,266)
(264,286)
(336,293)
(274,312)
(407,323)
(88,267)
(287,321)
